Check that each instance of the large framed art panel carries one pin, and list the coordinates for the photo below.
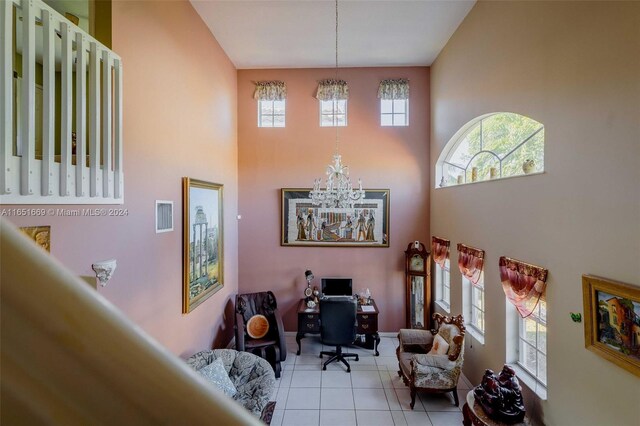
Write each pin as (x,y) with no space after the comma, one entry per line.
(202,234)
(365,224)
(612,321)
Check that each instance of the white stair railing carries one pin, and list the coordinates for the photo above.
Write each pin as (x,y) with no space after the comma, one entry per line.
(56,174)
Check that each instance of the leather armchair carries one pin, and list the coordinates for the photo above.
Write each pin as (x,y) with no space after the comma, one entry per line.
(272,346)
(432,373)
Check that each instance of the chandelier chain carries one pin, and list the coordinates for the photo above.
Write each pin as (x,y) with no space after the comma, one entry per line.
(335,105)
(339,191)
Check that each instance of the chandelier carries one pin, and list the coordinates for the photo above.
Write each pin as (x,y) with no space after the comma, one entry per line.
(339,191)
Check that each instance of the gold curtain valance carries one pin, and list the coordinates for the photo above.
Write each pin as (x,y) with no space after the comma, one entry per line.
(397,88)
(331,89)
(270,91)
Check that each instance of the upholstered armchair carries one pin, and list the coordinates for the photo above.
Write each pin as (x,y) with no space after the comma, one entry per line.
(427,371)
(251,375)
(272,346)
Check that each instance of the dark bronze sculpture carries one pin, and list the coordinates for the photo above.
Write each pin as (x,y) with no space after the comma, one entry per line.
(501,396)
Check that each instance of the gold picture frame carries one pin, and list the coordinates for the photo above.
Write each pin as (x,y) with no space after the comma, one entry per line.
(41,235)
(202,234)
(365,224)
(612,321)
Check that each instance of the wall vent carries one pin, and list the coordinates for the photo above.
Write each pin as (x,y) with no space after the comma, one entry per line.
(164,216)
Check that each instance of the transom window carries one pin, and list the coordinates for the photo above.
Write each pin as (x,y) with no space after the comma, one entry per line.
(271,113)
(532,347)
(333,113)
(492,146)
(394,112)
(443,285)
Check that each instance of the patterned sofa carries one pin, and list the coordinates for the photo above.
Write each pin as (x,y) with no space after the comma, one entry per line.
(432,373)
(252,376)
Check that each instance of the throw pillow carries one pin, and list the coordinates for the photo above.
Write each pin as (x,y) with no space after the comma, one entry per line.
(440,346)
(217,375)
(257,326)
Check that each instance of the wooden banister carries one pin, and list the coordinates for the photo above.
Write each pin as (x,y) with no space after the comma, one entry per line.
(71,357)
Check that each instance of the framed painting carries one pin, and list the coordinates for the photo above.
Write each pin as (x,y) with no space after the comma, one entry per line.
(365,224)
(40,234)
(612,321)
(202,233)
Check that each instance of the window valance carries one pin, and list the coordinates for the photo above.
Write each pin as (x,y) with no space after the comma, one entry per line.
(440,250)
(331,89)
(270,91)
(470,262)
(523,284)
(397,88)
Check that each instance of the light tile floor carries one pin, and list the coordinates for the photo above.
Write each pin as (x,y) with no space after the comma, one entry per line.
(372,394)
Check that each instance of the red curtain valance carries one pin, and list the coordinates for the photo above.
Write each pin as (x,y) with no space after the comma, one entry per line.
(440,250)
(470,262)
(523,284)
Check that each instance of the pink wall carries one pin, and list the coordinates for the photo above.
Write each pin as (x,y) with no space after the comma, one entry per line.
(179,120)
(384,157)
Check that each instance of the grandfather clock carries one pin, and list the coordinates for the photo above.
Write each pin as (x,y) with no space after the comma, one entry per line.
(418,285)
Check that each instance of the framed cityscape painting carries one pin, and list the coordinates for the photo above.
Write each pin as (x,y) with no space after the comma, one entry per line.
(612,321)
(364,224)
(202,255)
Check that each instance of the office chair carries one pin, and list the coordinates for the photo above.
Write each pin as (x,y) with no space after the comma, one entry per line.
(338,328)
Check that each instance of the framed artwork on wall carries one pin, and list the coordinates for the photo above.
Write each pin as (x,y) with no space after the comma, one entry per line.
(612,321)
(202,233)
(365,224)
(40,234)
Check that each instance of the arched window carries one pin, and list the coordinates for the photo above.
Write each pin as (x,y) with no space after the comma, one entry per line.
(492,146)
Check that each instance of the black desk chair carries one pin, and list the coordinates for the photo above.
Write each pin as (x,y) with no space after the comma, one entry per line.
(338,328)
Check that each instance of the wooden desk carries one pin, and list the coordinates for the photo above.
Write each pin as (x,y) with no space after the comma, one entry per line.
(309,323)
(474,415)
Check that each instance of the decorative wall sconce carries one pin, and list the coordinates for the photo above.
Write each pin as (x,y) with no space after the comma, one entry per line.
(104,270)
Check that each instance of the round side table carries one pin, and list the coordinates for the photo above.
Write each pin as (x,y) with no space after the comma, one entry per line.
(474,415)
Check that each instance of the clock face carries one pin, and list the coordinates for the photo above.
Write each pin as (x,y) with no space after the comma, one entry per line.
(308,292)
(416,263)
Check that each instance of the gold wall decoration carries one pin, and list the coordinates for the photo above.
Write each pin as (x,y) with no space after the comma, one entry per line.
(202,237)
(40,234)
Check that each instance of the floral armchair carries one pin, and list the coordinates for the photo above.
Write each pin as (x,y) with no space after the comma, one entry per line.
(428,372)
(252,376)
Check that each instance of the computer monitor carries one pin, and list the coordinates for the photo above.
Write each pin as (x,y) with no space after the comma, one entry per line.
(337,286)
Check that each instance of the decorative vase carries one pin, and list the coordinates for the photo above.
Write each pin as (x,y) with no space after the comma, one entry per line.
(528,166)
(493,173)
(460,181)
(474,174)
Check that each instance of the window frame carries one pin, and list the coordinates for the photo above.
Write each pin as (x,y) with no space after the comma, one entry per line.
(475,306)
(393,114)
(334,112)
(523,343)
(468,305)
(459,137)
(273,114)
(443,284)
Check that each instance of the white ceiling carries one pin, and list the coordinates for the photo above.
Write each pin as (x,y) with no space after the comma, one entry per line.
(301,33)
